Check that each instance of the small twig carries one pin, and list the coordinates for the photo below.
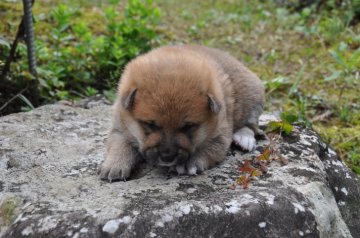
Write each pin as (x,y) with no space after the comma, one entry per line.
(29,35)
(19,35)
(26,31)
(13,98)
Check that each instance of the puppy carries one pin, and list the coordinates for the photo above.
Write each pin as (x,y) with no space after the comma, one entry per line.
(181,107)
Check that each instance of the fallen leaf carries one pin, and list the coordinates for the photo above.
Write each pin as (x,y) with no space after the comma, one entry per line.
(255,173)
(247,167)
(265,155)
(243,180)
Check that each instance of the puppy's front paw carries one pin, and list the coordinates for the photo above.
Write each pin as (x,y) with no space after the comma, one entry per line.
(195,166)
(245,138)
(113,169)
(189,169)
(192,169)
(180,169)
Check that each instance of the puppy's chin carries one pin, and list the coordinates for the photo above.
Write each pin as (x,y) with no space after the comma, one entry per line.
(154,158)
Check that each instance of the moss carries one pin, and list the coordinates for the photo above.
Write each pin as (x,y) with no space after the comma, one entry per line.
(8,210)
(346,141)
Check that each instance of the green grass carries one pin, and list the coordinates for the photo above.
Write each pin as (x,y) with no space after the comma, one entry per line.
(80,50)
(308,60)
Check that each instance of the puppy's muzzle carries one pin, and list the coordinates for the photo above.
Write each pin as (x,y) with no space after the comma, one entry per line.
(168,154)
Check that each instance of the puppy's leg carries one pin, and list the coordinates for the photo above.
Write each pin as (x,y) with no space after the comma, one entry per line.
(121,158)
(198,164)
(212,153)
(258,132)
(245,138)
(201,162)
(180,169)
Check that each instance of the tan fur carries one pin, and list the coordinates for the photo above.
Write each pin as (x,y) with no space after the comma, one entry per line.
(171,89)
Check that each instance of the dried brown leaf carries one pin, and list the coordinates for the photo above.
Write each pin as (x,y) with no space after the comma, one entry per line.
(247,167)
(243,180)
(265,155)
(256,173)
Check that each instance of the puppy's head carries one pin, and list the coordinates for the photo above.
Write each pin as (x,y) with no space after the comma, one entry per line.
(171,104)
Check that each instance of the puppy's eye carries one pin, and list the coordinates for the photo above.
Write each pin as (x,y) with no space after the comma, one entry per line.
(188,127)
(150,125)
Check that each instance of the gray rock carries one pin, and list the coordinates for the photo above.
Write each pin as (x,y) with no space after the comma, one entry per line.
(49,187)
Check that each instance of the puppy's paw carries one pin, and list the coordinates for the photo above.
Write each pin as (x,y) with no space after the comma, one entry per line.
(245,138)
(189,169)
(112,170)
(192,169)
(180,169)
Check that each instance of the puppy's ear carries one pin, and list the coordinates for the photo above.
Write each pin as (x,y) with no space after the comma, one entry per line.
(214,104)
(127,100)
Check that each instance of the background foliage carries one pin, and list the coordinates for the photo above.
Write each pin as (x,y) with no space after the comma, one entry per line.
(80,51)
(306,52)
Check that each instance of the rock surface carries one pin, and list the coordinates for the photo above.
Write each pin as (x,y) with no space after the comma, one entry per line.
(49,187)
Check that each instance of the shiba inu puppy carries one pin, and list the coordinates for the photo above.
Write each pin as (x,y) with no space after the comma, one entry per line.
(181,107)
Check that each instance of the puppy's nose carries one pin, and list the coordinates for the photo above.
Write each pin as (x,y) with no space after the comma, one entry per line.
(167,159)
(168,155)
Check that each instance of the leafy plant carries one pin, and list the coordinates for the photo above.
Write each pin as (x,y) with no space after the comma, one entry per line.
(355,162)
(276,84)
(126,38)
(330,28)
(283,126)
(349,63)
(345,69)
(75,59)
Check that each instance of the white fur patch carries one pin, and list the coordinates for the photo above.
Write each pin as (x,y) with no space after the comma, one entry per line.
(192,170)
(245,138)
(180,169)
